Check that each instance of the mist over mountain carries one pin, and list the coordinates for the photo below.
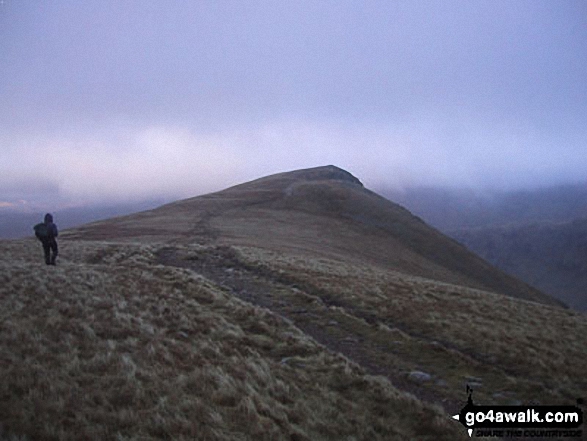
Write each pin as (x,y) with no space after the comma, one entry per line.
(549,256)
(250,303)
(450,209)
(538,236)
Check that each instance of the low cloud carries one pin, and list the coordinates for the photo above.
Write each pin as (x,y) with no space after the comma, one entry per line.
(153,162)
(172,162)
(120,101)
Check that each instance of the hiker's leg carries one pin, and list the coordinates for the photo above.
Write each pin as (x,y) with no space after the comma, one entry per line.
(47,251)
(55,251)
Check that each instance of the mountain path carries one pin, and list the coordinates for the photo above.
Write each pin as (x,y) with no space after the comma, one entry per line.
(337,327)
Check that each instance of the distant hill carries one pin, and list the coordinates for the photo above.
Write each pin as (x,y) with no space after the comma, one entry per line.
(299,306)
(550,256)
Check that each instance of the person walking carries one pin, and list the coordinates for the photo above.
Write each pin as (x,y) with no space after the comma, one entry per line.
(47,232)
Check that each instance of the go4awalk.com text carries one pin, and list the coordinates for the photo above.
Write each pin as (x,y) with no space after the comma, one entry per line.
(521,421)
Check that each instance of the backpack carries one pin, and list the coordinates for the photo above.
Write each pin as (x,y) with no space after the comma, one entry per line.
(41,231)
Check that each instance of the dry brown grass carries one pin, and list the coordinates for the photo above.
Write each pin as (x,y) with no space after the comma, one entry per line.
(532,352)
(109,345)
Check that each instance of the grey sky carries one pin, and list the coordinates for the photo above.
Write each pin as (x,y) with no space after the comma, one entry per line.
(108,100)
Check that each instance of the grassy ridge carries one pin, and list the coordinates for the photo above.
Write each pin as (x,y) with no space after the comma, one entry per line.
(322,212)
(109,345)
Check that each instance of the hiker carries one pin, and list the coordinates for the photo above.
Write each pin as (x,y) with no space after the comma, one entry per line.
(46,232)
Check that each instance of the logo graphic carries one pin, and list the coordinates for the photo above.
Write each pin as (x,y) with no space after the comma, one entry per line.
(520,421)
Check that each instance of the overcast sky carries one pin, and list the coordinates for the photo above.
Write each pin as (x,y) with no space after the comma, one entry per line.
(116,101)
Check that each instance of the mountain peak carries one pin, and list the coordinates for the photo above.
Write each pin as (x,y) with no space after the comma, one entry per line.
(315,174)
(326,172)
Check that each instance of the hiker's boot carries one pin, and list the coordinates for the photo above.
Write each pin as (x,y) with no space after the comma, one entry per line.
(53,259)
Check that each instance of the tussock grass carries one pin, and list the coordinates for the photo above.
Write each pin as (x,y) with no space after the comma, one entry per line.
(534,352)
(109,345)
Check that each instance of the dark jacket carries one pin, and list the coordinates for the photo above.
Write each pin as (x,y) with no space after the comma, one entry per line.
(51,227)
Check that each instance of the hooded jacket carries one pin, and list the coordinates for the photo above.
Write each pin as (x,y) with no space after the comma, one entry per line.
(51,227)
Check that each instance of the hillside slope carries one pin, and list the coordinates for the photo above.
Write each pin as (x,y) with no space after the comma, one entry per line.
(323,211)
(550,256)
